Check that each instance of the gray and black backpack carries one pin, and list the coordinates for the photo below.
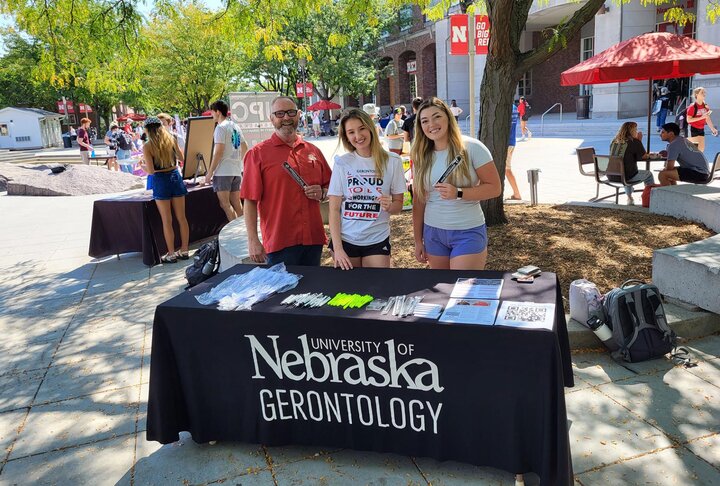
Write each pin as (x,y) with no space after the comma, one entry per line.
(636,316)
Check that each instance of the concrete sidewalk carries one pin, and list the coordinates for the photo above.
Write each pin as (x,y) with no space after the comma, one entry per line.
(74,365)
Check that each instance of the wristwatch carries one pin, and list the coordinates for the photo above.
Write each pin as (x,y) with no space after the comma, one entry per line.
(459,193)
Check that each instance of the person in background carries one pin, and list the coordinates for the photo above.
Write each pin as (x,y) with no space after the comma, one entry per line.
(692,164)
(83,140)
(394,134)
(664,100)
(111,142)
(523,107)
(226,168)
(628,145)
(290,219)
(698,115)
(512,141)
(161,154)
(372,111)
(366,175)
(448,222)
(456,110)
(408,126)
(403,112)
(316,123)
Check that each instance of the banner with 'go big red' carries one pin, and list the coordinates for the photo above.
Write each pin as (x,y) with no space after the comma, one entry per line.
(459,34)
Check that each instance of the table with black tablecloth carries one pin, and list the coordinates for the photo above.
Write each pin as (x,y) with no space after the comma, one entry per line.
(354,378)
(132,223)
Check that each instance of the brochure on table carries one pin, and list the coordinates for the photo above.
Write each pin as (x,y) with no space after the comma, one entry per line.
(470,311)
(477,288)
(529,315)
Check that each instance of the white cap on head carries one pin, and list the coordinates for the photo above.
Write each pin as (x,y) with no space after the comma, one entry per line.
(664,90)
(371,109)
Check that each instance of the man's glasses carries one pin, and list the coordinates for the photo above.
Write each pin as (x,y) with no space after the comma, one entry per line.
(282,113)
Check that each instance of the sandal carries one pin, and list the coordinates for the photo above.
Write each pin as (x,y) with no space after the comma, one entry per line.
(182,255)
(513,198)
(168,258)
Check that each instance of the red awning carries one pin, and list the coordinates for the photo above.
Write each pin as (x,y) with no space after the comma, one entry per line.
(657,55)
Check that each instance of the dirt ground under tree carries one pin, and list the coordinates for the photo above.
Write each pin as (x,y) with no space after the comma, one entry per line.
(605,246)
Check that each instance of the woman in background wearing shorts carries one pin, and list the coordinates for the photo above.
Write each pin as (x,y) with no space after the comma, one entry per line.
(448,223)
(366,187)
(161,154)
(698,114)
(226,168)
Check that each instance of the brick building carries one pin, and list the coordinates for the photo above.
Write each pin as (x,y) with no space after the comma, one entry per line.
(417,60)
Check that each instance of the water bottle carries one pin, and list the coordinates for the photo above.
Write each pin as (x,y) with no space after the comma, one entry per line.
(92,154)
(601,330)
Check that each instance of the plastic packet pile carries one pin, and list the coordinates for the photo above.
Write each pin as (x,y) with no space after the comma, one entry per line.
(241,292)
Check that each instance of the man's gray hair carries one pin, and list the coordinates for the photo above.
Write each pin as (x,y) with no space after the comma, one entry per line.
(282,97)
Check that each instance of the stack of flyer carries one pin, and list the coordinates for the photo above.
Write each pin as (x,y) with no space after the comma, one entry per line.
(473,301)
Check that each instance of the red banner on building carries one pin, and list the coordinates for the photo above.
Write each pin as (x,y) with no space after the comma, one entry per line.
(459,35)
(308,92)
(61,107)
(482,34)
(85,108)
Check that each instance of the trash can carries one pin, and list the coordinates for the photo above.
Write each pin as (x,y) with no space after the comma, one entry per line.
(67,141)
(582,107)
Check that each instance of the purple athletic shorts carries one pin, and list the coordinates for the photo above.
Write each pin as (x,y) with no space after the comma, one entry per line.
(453,243)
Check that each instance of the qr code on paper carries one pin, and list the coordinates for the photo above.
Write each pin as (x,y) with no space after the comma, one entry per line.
(526,313)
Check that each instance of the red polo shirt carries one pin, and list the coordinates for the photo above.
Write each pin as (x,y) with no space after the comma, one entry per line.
(287,216)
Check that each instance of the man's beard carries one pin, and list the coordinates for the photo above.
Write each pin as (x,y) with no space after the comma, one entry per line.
(287,127)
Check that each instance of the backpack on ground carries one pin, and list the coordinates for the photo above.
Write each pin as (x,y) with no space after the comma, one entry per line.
(637,318)
(124,141)
(206,263)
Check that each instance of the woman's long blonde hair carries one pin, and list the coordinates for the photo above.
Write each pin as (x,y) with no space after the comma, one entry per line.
(377,152)
(161,146)
(422,151)
(624,135)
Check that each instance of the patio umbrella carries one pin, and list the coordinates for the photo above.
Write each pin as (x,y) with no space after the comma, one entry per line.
(656,55)
(324,105)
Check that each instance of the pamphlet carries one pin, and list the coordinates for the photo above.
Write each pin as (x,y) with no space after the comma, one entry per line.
(470,311)
(528,315)
(428,311)
(477,288)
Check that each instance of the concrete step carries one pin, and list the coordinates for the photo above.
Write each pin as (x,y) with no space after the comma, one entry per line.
(698,203)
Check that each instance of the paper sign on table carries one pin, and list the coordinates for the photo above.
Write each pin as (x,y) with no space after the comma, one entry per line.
(470,311)
(527,315)
(477,288)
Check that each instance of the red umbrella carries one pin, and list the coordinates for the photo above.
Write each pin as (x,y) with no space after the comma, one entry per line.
(136,116)
(324,105)
(656,55)
(209,113)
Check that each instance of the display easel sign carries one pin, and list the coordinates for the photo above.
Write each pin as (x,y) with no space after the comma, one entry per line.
(251,111)
(198,146)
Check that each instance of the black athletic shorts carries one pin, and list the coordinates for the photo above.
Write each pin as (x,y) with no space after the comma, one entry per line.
(697,132)
(689,175)
(357,251)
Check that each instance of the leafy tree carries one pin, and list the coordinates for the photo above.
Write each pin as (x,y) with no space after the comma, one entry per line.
(18,84)
(193,57)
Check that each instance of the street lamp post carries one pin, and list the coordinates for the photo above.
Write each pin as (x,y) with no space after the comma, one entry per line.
(303,62)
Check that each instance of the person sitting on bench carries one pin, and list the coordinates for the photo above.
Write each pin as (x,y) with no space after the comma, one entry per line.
(692,164)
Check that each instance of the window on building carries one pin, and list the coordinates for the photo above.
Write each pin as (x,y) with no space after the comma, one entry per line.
(4,132)
(405,17)
(525,85)
(22,139)
(587,50)
(413,86)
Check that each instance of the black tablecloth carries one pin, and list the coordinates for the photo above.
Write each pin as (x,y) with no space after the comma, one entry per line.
(484,395)
(132,223)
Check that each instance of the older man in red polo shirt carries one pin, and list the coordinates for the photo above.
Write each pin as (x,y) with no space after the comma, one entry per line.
(290,219)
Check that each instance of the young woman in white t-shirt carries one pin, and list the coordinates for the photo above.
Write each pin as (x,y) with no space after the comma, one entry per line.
(448,223)
(366,187)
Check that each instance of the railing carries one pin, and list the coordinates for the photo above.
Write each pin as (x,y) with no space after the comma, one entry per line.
(542,118)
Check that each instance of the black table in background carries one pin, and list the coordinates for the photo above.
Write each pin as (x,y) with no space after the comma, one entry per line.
(501,388)
(132,223)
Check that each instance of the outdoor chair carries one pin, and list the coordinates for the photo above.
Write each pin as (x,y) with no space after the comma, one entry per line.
(714,170)
(586,164)
(606,167)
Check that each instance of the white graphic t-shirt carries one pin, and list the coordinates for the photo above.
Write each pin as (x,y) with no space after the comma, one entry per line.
(354,178)
(452,214)
(229,133)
